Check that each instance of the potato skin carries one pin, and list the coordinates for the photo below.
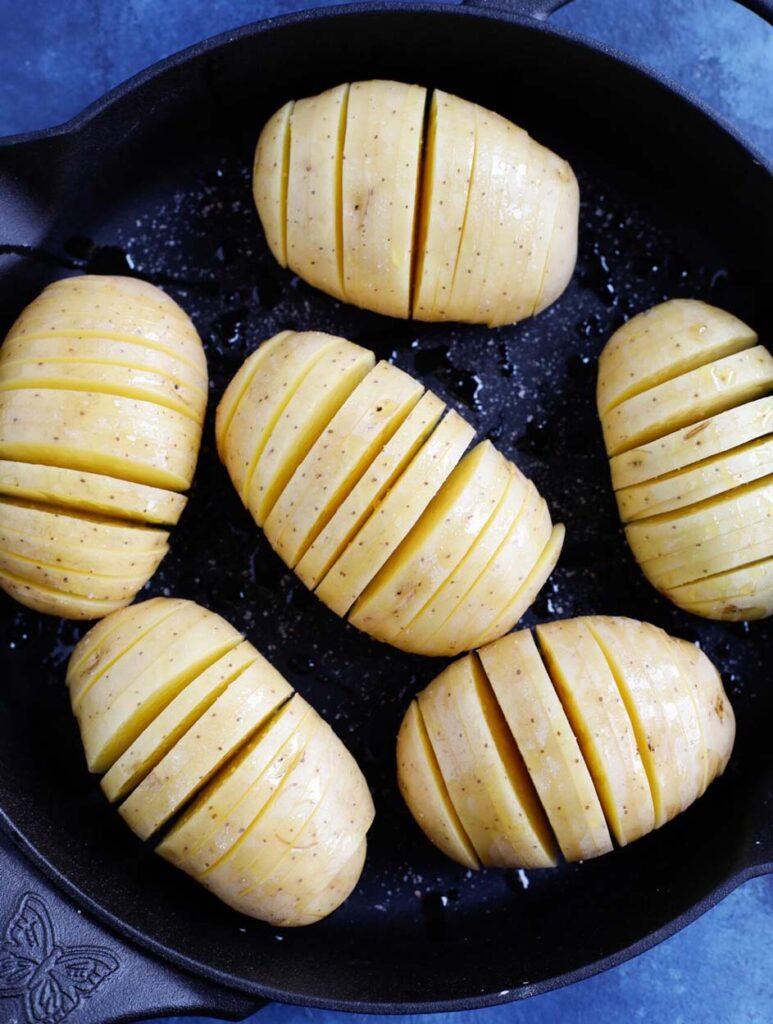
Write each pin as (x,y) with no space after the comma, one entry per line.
(572,763)
(103,390)
(470,220)
(369,492)
(268,808)
(685,397)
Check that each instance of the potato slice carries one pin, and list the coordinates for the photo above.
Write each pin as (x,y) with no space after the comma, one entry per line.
(103,378)
(317,852)
(730,550)
(562,251)
(424,791)
(656,537)
(338,458)
(686,400)
(270,171)
(710,437)
(239,711)
(744,593)
(75,584)
(393,519)
(70,489)
(717,716)
(123,437)
(431,618)
(274,830)
(494,588)
(256,397)
(483,770)
(381,168)
(448,158)
(313,204)
(337,890)
(693,484)
(309,411)
(212,824)
(55,602)
(79,540)
(653,716)
(592,701)
(178,716)
(385,469)
(664,342)
(107,641)
(547,745)
(118,289)
(449,527)
(134,354)
(138,686)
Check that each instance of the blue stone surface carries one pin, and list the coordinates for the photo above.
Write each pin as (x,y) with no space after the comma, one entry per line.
(59,55)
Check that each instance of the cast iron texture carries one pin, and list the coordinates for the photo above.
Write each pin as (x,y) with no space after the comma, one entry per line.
(155,181)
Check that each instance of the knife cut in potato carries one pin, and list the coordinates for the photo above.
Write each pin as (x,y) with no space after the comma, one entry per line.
(603,728)
(103,390)
(199,735)
(362,485)
(464,217)
(685,396)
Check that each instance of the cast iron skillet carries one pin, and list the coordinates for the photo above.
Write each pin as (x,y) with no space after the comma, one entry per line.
(154,180)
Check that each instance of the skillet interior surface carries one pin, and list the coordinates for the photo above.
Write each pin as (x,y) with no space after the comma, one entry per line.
(157,184)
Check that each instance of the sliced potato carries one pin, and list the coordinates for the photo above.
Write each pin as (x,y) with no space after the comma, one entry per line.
(393,519)
(168,727)
(704,480)
(607,719)
(380,182)
(370,489)
(91,492)
(485,775)
(56,602)
(591,699)
(240,710)
(686,400)
(315,401)
(190,721)
(270,171)
(450,525)
(547,744)
(745,593)
(121,587)
(476,222)
(338,458)
(665,342)
(313,201)
(425,793)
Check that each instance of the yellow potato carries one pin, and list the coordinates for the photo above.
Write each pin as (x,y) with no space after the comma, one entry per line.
(315,149)
(591,698)
(538,722)
(370,489)
(369,497)
(189,720)
(685,396)
(103,390)
(270,171)
(338,458)
(425,793)
(379,193)
(476,222)
(607,723)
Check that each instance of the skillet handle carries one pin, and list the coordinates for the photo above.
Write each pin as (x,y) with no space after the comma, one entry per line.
(114,982)
(538,9)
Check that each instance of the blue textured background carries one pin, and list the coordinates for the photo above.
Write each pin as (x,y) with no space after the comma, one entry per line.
(59,55)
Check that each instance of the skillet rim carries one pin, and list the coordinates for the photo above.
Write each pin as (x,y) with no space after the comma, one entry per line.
(102,108)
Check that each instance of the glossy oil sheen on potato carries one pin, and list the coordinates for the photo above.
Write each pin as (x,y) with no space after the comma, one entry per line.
(464,217)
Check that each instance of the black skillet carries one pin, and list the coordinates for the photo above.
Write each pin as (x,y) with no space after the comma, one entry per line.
(154,180)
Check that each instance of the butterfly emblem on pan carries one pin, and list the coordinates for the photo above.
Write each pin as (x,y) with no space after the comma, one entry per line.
(52,980)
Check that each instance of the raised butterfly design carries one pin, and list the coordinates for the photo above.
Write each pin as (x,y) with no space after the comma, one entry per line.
(51,980)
